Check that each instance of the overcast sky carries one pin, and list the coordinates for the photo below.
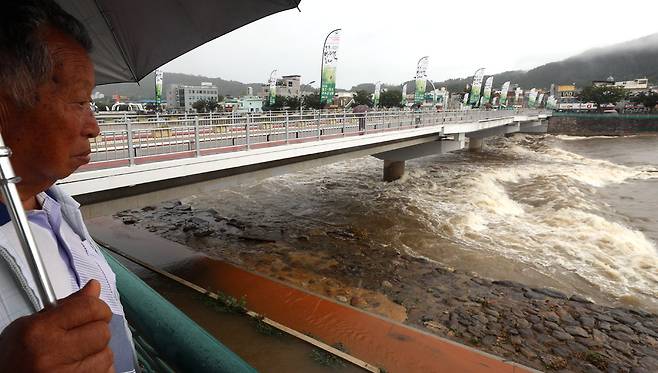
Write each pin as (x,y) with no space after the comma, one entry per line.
(383,40)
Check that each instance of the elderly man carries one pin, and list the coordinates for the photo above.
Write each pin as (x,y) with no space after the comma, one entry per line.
(46,78)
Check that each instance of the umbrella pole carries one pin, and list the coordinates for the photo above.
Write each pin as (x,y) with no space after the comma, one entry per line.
(14,206)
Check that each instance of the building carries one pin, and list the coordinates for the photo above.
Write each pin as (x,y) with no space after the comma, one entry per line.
(635,85)
(632,86)
(182,97)
(287,86)
(249,103)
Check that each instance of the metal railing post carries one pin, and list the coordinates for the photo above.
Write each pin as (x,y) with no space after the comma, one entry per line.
(131,151)
(246,132)
(197,141)
(344,119)
(287,127)
(319,115)
(365,123)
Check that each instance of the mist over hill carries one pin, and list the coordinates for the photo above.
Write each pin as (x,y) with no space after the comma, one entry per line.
(624,61)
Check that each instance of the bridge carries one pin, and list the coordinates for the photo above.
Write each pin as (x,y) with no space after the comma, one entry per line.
(137,161)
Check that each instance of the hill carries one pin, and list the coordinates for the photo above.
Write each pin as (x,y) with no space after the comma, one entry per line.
(625,61)
(145,88)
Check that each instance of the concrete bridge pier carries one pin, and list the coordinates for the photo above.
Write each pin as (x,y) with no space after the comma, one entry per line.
(394,160)
(393,170)
(475,145)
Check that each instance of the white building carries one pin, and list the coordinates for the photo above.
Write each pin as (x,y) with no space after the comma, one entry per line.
(635,85)
(249,103)
(182,97)
(287,86)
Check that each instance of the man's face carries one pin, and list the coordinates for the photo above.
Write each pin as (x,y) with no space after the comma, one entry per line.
(51,140)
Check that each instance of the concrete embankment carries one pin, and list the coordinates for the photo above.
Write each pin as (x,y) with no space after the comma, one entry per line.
(575,124)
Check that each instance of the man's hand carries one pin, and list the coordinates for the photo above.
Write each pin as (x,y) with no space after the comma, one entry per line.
(71,337)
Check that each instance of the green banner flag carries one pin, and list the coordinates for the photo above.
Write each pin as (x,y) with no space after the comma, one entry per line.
(404,94)
(158,87)
(421,80)
(329,62)
(474,97)
(503,94)
(378,89)
(532,98)
(487,89)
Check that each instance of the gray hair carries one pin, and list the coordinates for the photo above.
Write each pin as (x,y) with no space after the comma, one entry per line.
(25,60)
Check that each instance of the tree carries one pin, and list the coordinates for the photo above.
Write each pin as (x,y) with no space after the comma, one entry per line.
(647,99)
(602,95)
(293,102)
(200,106)
(362,97)
(279,103)
(312,101)
(211,104)
(391,98)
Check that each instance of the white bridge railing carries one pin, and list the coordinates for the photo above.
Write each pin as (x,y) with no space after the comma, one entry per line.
(129,140)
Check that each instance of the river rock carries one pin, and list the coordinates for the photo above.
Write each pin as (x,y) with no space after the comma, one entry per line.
(551,293)
(550,316)
(587,322)
(623,347)
(624,337)
(562,336)
(622,328)
(576,331)
(579,299)
(534,295)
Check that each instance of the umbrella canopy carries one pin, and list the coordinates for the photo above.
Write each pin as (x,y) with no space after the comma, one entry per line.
(132,38)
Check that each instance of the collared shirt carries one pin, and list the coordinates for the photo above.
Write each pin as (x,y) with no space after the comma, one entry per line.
(71,259)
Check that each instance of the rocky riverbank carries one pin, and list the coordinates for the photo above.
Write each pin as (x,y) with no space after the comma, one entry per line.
(538,327)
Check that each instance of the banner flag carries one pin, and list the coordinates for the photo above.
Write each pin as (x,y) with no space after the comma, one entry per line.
(476,87)
(272,82)
(404,94)
(539,100)
(503,93)
(378,89)
(487,89)
(517,94)
(532,98)
(158,87)
(329,62)
(421,80)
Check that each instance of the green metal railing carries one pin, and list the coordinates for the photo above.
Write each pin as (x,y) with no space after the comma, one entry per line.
(166,340)
(606,116)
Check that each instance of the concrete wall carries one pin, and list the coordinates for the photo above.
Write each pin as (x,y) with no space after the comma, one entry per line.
(602,124)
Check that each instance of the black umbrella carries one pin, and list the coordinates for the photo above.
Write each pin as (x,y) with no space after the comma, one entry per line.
(132,38)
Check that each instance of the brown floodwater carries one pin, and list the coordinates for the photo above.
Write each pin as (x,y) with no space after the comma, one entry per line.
(575,214)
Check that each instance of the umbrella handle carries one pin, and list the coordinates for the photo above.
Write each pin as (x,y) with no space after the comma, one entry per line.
(14,206)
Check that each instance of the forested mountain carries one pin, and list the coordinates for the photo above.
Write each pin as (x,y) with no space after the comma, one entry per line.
(145,89)
(625,61)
